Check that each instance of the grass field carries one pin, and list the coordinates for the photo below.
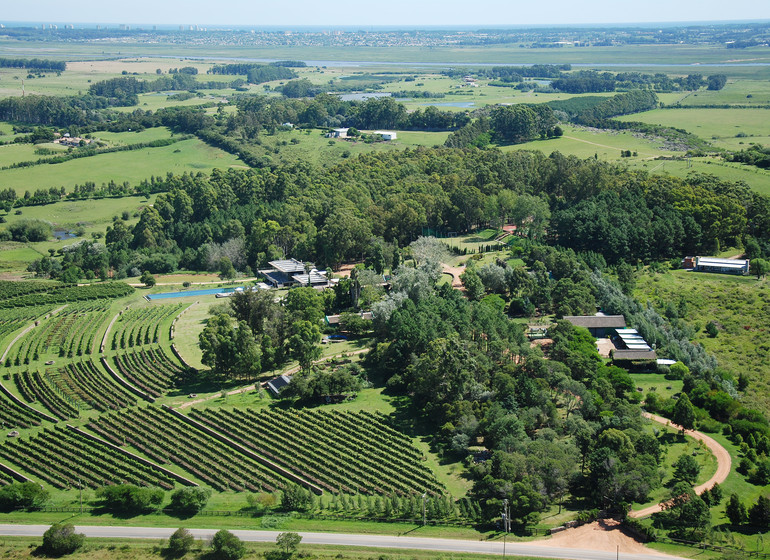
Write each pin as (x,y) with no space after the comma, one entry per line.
(710,124)
(655,55)
(92,215)
(101,549)
(132,166)
(741,308)
(603,144)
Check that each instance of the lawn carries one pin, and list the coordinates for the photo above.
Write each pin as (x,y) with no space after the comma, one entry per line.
(657,382)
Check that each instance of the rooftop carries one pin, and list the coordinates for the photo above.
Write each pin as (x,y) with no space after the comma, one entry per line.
(727,263)
(634,355)
(597,321)
(290,266)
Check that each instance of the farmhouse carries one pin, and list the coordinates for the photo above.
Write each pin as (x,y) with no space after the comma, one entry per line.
(338,133)
(292,272)
(599,326)
(385,135)
(334,320)
(721,266)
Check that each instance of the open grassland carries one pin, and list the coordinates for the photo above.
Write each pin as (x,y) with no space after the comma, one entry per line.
(15,257)
(739,92)
(14,153)
(311,145)
(190,155)
(602,144)
(510,53)
(135,137)
(757,179)
(92,215)
(740,306)
(656,382)
(710,124)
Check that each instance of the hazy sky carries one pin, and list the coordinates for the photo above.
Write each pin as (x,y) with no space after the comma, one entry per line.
(380,12)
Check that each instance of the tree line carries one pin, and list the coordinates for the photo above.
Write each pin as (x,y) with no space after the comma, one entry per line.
(33,64)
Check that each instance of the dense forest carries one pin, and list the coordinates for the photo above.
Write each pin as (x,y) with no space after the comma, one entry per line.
(338,214)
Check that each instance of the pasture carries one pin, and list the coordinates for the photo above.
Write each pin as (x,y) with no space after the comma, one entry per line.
(605,145)
(712,125)
(740,306)
(133,166)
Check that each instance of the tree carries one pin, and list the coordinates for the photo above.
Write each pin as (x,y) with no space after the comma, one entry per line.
(474,287)
(226,546)
(26,495)
(306,304)
(71,275)
(226,269)
(759,514)
(735,510)
(229,348)
(61,539)
(295,498)
(147,279)
(716,494)
(180,543)
(760,267)
(684,413)
(686,469)
(303,343)
(712,329)
(189,501)
(129,498)
(716,82)
(288,542)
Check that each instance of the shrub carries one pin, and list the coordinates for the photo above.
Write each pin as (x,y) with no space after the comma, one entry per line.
(180,543)
(295,498)
(129,498)
(226,546)
(190,500)
(26,495)
(61,539)
(30,230)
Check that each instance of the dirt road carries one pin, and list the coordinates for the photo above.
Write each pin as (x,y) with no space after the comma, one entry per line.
(724,462)
(605,534)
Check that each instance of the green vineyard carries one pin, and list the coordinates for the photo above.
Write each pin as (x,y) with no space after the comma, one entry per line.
(80,358)
(349,452)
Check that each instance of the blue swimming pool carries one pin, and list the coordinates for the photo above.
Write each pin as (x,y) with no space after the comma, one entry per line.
(188,293)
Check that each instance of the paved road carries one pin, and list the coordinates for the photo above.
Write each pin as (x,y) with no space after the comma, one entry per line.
(373,541)
(724,463)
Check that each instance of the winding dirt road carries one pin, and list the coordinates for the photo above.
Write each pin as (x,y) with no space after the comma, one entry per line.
(724,463)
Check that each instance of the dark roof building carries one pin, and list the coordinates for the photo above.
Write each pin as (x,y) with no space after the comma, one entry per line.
(275,385)
(598,325)
(291,272)
(633,355)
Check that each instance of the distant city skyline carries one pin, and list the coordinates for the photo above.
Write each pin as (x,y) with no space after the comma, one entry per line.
(390,13)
